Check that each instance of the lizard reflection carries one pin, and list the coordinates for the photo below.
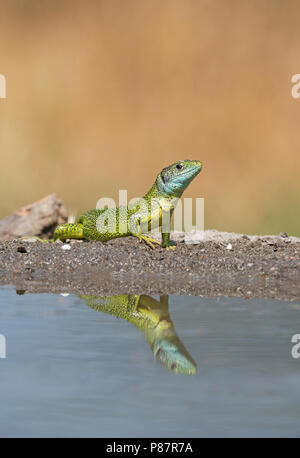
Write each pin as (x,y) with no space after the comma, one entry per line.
(153,319)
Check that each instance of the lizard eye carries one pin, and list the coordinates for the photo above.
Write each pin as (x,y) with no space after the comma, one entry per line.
(178,166)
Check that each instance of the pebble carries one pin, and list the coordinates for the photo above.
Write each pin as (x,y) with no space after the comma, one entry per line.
(21,249)
(284,235)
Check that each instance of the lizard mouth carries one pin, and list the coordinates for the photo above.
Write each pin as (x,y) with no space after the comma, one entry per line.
(191,172)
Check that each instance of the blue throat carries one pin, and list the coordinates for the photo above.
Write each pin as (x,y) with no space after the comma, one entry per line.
(176,185)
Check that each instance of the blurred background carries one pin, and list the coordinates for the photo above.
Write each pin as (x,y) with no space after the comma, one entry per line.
(101,95)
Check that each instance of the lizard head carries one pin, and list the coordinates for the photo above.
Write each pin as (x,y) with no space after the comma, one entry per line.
(171,353)
(173,180)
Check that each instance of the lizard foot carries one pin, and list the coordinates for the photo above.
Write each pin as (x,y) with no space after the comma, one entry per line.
(148,240)
(171,247)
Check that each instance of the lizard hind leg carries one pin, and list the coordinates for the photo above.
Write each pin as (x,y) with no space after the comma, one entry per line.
(69,231)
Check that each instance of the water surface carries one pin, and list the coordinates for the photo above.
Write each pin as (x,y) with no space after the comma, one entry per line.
(71,370)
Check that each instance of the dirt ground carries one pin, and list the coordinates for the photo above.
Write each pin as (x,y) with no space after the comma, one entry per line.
(220,265)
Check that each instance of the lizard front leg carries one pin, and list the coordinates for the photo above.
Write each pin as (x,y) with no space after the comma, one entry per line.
(137,232)
(166,242)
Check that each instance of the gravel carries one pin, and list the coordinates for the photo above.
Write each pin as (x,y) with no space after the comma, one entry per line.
(209,263)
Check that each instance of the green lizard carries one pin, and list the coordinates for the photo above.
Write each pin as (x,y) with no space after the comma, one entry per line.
(146,214)
(153,319)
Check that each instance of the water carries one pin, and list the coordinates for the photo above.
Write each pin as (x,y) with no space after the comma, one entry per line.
(71,370)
